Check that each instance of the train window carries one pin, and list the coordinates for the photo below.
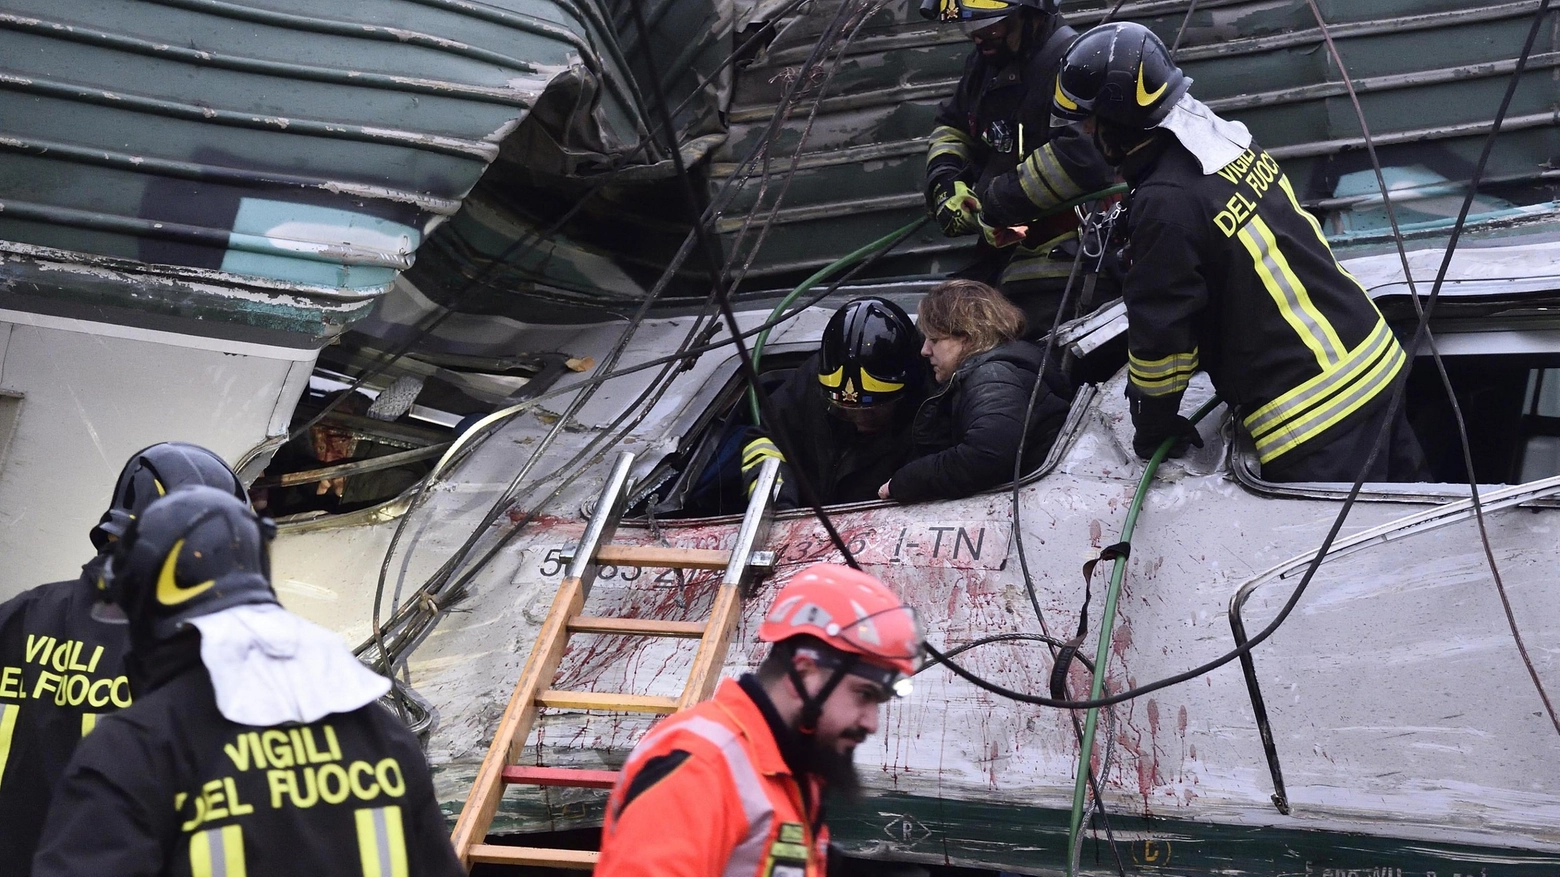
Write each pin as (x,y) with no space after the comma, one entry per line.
(703,477)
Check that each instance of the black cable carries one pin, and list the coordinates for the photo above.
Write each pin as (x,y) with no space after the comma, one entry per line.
(436,586)
(532,238)
(796,155)
(1190,8)
(1435,353)
(794,89)
(723,297)
(1051,641)
(1396,401)
(1018,534)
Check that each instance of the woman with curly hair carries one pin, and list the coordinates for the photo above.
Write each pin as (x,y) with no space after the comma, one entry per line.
(966,434)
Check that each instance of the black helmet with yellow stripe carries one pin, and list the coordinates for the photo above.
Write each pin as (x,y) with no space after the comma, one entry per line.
(150,474)
(871,354)
(977,10)
(196,551)
(1119,73)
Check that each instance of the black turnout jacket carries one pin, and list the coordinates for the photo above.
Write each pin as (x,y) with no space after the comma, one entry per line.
(995,134)
(844,465)
(1229,274)
(60,671)
(966,433)
(171,787)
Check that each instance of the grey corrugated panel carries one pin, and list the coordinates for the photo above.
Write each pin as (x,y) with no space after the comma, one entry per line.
(1433,71)
(156,120)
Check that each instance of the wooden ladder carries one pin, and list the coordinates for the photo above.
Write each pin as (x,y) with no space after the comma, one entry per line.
(534,690)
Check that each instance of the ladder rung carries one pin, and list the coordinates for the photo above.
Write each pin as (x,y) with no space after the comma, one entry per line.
(663,557)
(607,702)
(637,626)
(529,775)
(540,857)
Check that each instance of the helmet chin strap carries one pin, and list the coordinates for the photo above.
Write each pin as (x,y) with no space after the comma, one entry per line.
(1116,143)
(812,706)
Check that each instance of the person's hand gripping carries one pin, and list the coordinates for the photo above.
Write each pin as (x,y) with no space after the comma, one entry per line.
(958,210)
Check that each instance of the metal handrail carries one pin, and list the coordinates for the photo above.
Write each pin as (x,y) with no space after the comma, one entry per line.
(1409,525)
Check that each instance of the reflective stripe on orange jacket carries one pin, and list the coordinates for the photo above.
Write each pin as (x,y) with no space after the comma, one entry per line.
(711,797)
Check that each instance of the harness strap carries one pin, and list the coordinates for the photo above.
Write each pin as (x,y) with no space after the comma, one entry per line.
(1069,651)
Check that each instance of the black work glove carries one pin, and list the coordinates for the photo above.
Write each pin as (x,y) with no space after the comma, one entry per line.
(1156,419)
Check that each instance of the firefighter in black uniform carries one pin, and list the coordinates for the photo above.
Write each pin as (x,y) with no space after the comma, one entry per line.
(846,412)
(996,162)
(255,746)
(1227,273)
(62,664)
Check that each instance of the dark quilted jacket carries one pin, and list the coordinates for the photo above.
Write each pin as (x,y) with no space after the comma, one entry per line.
(965,434)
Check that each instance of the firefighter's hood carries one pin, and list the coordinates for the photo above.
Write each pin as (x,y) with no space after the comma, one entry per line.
(1216,142)
(268,666)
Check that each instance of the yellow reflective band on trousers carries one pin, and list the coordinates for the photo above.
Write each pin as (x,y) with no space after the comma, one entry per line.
(1162,377)
(1294,303)
(949,141)
(1327,399)
(217,852)
(8,713)
(381,842)
(1044,181)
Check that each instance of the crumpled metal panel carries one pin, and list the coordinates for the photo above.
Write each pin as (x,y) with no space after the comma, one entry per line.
(565,155)
(311,146)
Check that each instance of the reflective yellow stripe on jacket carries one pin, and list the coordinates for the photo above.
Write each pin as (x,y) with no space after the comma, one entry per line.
(1294,303)
(218,852)
(1304,412)
(949,141)
(1162,377)
(1348,378)
(1283,182)
(381,841)
(1035,263)
(7,729)
(1045,183)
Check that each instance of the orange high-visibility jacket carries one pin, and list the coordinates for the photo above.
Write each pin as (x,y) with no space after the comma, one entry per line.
(707,794)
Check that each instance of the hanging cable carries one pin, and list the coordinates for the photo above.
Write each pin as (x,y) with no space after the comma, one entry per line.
(1435,353)
(860,18)
(1176,46)
(437,593)
(1353,495)
(723,296)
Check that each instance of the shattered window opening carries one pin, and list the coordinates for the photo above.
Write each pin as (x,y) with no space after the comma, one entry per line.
(693,483)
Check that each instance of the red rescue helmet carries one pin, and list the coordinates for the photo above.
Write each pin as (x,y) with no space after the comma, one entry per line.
(851,612)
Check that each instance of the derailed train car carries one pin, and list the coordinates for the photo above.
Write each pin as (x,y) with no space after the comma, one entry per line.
(1406,729)
(1407,735)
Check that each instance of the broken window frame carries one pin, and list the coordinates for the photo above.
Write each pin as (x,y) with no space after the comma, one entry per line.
(705,407)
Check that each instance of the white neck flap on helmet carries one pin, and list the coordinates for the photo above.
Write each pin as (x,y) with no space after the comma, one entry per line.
(1216,142)
(268,667)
